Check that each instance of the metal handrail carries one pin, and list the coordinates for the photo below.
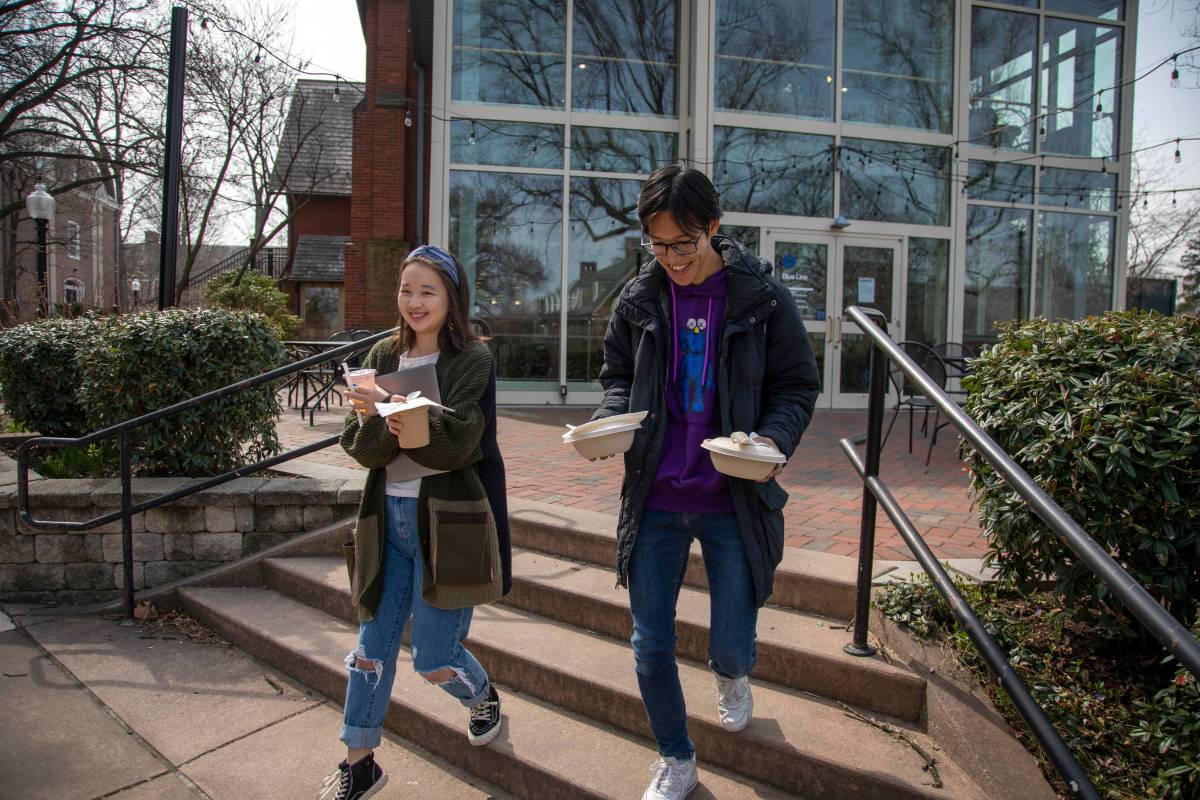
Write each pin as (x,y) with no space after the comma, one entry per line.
(1169,631)
(122,429)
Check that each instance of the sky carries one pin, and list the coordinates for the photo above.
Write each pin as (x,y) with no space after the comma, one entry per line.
(328,32)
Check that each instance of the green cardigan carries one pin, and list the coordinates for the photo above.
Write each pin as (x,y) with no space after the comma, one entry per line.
(453,506)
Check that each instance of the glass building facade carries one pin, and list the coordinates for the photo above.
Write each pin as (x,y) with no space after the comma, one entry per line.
(974,147)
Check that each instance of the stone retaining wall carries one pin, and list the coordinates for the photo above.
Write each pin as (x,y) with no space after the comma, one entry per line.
(170,542)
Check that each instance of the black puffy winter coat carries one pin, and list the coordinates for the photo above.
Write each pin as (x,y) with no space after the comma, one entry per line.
(767,381)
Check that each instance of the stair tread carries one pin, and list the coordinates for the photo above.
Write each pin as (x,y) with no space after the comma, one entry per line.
(597,759)
(784,627)
(784,718)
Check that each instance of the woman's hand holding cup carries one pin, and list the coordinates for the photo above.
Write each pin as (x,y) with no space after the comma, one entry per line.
(395,422)
(364,398)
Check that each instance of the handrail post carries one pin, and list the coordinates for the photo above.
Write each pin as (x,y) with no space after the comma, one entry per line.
(866,535)
(127,521)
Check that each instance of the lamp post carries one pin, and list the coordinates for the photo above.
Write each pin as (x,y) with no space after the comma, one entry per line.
(40,206)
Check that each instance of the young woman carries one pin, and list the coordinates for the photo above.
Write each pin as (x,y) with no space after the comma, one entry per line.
(449,491)
(707,315)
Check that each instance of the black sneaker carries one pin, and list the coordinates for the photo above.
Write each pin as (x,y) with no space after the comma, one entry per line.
(485,720)
(357,782)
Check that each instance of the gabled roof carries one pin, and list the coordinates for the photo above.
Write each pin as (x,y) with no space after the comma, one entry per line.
(319,258)
(315,153)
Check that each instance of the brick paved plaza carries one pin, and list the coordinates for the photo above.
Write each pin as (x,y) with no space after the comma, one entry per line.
(825,495)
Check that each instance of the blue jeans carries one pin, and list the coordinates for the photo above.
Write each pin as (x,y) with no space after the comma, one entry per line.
(436,638)
(656,567)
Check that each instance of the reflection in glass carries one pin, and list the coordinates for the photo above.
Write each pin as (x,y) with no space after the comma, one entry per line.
(746,234)
(507,231)
(621,150)
(855,369)
(867,278)
(1104,9)
(1003,49)
(1073,188)
(803,267)
(776,57)
(510,52)
(322,311)
(1006,183)
(928,290)
(1080,72)
(816,335)
(605,252)
(899,63)
(997,280)
(773,172)
(1075,265)
(624,56)
(893,182)
(506,144)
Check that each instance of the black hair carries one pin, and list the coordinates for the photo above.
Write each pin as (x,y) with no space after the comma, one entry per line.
(685,192)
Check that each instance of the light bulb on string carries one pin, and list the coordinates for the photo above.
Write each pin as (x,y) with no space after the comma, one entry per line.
(471,138)
(1178,155)
(1145,201)
(336,91)
(407,118)
(1042,167)
(1174,199)
(1175,71)
(1100,104)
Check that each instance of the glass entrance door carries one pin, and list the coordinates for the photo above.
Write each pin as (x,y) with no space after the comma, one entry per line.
(824,274)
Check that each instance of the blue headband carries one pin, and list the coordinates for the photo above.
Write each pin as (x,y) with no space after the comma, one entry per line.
(438,256)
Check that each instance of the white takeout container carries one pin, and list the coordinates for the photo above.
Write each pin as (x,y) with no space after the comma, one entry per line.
(605,437)
(740,456)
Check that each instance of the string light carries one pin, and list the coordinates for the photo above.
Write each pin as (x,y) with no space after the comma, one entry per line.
(407,118)
(337,92)
(1099,104)
(471,138)
(1178,155)
(1175,71)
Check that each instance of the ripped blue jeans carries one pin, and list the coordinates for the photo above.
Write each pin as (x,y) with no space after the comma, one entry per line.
(436,637)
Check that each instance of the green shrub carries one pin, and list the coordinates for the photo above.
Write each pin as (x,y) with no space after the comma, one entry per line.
(1131,723)
(149,361)
(1104,414)
(40,374)
(252,291)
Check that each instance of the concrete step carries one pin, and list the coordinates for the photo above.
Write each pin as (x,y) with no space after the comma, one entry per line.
(796,742)
(806,580)
(795,649)
(542,752)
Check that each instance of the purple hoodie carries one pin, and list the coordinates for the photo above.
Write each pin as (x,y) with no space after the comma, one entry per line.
(686,480)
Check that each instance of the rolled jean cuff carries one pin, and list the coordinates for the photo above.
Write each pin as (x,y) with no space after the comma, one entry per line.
(358,738)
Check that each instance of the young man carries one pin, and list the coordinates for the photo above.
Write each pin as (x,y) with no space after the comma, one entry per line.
(707,315)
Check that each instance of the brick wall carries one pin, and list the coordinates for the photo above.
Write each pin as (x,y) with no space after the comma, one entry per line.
(382,214)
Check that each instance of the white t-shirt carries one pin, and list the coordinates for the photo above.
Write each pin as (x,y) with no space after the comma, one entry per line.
(402,464)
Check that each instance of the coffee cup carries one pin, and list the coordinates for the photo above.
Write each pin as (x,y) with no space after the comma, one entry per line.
(415,432)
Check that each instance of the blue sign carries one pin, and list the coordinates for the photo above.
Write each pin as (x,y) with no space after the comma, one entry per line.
(788,261)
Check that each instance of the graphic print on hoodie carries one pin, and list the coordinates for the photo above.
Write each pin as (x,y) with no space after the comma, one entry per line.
(686,479)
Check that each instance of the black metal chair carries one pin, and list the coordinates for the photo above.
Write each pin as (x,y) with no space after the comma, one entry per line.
(957,357)
(908,394)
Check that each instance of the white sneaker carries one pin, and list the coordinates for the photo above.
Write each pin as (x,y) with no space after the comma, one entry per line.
(735,704)
(673,779)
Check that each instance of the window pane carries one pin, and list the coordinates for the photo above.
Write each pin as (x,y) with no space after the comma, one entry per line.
(1072,188)
(899,63)
(506,144)
(773,172)
(928,290)
(625,56)
(605,251)
(1003,47)
(1078,61)
(510,52)
(997,280)
(322,311)
(893,182)
(507,232)
(1075,265)
(1006,183)
(776,57)
(620,150)
(1022,3)
(1104,9)
(747,235)
(803,267)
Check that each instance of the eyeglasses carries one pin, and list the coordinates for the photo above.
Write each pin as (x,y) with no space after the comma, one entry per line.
(679,248)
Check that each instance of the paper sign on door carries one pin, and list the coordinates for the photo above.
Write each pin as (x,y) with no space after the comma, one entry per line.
(866,290)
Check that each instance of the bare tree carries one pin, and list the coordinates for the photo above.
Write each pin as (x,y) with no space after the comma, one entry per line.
(1158,228)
